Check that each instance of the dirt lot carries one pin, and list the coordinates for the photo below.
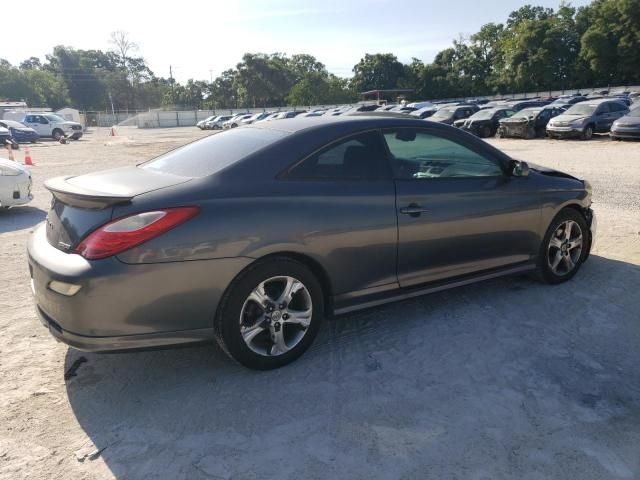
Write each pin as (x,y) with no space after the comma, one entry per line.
(505,379)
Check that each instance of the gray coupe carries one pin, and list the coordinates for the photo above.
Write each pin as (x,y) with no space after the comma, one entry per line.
(252,235)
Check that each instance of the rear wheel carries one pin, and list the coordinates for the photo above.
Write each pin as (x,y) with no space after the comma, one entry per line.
(564,247)
(270,314)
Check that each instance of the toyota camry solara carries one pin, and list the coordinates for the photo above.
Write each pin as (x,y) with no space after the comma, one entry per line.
(251,236)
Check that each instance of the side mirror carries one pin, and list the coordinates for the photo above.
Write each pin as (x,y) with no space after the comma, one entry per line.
(519,169)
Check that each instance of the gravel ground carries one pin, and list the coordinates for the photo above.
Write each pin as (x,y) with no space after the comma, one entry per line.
(505,379)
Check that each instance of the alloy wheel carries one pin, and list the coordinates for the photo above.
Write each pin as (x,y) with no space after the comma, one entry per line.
(276,315)
(565,248)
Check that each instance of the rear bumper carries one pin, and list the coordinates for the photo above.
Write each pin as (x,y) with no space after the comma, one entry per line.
(126,306)
(126,342)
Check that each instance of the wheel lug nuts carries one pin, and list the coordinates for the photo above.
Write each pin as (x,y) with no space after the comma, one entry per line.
(282,305)
(285,316)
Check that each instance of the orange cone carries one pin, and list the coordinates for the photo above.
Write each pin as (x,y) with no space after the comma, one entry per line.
(27,157)
(10,149)
(113,132)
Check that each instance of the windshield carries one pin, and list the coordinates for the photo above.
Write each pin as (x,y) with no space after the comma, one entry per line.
(635,112)
(582,109)
(54,118)
(526,113)
(212,154)
(444,113)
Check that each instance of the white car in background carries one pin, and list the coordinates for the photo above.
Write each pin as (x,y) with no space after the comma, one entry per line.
(201,124)
(15,184)
(255,118)
(217,122)
(235,121)
(52,126)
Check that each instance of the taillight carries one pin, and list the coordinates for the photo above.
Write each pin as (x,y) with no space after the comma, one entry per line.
(127,232)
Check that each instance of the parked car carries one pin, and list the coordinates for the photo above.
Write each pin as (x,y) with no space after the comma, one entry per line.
(528,123)
(484,123)
(217,122)
(201,124)
(7,139)
(252,235)
(448,115)
(420,105)
(269,117)
(568,100)
(424,112)
(15,184)
(20,132)
(234,121)
(586,118)
(255,117)
(53,126)
(627,126)
(288,114)
(518,105)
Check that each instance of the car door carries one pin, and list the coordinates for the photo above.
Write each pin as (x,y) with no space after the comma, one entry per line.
(603,118)
(343,207)
(458,210)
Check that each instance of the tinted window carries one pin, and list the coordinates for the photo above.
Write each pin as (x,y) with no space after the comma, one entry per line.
(212,154)
(421,155)
(603,108)
(617,107)
(357,157)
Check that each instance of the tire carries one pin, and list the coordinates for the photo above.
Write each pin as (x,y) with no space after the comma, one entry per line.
(57,134)
(240,315)
(552,250)
(233,125)
(485,132)
(587,133)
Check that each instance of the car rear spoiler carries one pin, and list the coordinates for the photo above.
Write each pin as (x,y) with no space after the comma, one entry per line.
(83,197)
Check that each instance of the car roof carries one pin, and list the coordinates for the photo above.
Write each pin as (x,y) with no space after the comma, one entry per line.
(355,122)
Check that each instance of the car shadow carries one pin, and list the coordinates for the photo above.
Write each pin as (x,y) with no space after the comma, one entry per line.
(19,218)
(457,379)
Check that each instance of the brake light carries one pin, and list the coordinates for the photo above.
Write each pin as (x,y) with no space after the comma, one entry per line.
(130,231)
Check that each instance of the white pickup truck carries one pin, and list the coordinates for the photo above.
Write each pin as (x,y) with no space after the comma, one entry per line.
(53,126)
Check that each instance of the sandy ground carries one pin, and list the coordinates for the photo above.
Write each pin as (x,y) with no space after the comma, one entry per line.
(505,379)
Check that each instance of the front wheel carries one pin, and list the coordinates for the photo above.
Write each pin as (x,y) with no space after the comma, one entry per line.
(270,314)
(57,134)
(564,248)
(587,133)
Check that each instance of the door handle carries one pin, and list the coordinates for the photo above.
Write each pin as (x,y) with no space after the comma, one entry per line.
(413,210)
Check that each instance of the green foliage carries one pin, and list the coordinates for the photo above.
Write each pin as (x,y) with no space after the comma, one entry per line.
(536,49)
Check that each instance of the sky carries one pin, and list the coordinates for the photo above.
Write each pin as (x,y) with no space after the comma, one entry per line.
(200,39)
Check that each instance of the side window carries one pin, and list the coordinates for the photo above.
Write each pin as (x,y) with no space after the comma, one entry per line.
(421,155)
(28,119)
(361,156)
(545,115)
(603,108)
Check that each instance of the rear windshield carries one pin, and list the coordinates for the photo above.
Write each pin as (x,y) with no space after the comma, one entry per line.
(214,153)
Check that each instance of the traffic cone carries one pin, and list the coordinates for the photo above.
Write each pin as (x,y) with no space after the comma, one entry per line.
(10,149)
(113,131)
(27,157)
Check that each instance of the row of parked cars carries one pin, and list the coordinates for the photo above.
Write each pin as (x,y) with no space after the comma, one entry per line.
(562,117)
(36,126)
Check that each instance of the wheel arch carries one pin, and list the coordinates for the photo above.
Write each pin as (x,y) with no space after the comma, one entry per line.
(313,265)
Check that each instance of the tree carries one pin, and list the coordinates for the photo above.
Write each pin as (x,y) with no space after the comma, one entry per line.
(379,71)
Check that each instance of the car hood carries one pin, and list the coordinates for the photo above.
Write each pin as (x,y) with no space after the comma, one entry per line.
(4,131)
(568,118)
(627,120)
(516,120)
(550,171)
(25,129)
